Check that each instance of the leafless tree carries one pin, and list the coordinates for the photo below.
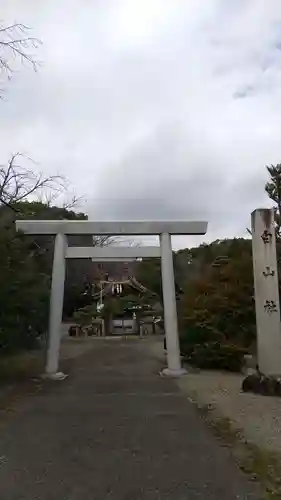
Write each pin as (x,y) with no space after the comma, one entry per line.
(19,183)
(16,46)
(61,197)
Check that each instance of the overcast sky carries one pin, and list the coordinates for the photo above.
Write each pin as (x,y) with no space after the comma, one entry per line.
(153,109)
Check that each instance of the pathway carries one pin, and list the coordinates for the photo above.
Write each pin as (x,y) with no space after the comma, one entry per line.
(114,430)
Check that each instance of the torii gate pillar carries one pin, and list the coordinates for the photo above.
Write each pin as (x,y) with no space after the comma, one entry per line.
(170,307)
(56,306)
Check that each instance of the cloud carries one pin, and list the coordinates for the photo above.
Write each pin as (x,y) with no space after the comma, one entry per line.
(153,109)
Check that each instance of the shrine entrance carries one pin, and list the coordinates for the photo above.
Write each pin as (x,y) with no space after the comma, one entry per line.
(62,228)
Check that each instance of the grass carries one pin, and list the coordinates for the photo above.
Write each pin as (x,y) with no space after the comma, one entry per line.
(21,366)
(261,465)
(18,377)
(266,467)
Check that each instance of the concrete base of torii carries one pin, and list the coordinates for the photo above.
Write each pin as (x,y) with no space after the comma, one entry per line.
(54,376)
(167,372)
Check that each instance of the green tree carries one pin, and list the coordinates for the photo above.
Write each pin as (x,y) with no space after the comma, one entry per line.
(148,273)
(25,276)
(24,292)
(273,189)
(111,307)
(220,303)
(216,312)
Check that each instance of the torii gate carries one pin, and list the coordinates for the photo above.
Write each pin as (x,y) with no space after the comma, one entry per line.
(62,228)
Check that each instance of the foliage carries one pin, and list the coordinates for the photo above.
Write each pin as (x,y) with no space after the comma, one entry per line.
(43,248)
(217,304)
(198,334)
(130,300)
(23,294)
(85,315)
(74,298)
(25,275)
(148,273)
(221,301)
(217,308)
(44,211)
(113,306)
(273,189)
(217,355)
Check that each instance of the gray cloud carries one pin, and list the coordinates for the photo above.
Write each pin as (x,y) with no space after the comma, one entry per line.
(140,105)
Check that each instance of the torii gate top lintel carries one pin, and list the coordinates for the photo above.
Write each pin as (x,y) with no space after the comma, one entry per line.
(112,227)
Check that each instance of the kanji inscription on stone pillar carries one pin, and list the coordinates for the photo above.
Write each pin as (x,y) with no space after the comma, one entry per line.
(266,292)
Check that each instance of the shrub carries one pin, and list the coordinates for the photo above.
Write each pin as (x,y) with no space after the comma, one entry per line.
(199,333)
(24,294)
(218,356)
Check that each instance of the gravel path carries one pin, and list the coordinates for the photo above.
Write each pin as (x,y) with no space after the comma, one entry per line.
(115,430)
(258,417)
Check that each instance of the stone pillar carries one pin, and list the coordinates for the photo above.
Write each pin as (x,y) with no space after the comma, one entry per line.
(56,306)
(170,307)
(266,292)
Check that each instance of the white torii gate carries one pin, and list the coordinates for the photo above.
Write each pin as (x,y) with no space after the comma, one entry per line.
(62,228)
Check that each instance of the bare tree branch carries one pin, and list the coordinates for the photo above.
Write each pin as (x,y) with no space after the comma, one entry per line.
(15,45)
(19,183)
(72,202)
(103,241)
(63,198)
